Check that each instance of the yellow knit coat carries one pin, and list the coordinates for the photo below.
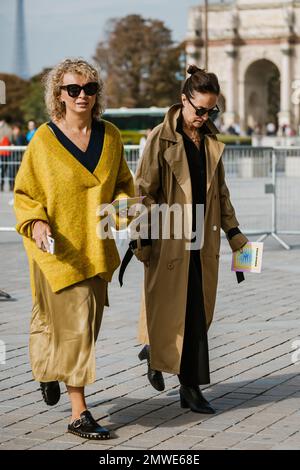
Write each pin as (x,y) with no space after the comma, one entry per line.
(53,186)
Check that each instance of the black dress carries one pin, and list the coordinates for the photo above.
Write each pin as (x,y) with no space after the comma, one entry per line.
(194,368)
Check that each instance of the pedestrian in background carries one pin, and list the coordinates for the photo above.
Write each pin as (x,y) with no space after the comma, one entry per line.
(5,135)
(18,139)
(31,130)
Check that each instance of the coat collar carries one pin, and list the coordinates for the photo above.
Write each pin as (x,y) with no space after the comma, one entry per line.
(175,154)
(170,124)
(47,135)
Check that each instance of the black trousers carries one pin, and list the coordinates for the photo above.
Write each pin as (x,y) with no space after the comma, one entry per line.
(194,367)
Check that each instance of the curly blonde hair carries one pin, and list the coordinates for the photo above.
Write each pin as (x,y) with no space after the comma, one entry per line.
(53,81)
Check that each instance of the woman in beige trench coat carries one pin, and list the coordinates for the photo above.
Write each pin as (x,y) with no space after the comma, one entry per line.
(182,164)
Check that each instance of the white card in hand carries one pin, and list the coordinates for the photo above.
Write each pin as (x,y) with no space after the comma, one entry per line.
(51,245)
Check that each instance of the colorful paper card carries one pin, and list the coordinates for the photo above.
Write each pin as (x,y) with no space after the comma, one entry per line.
(249,259)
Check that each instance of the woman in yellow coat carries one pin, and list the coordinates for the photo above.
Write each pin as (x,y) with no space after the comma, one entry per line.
(73,164)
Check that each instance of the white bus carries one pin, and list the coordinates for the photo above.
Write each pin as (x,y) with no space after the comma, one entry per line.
(135,119)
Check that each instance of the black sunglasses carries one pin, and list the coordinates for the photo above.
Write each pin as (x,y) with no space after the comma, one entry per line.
(212,112)
(74,90)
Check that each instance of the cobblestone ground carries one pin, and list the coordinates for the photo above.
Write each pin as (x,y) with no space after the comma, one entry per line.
(255,386)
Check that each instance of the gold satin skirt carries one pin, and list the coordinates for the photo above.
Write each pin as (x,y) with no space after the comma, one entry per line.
(64,329)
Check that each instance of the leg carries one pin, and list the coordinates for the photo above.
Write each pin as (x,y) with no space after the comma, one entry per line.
(11,171)
(68,344)
(82,423)
(155,377)
(77,399)
(2,173)
(194,367)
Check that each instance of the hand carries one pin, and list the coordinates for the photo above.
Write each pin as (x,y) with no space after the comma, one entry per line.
(143,254)
(39,234)
(242,247)
(123,213)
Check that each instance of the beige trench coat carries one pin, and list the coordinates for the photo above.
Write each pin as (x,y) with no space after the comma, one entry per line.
(163,177)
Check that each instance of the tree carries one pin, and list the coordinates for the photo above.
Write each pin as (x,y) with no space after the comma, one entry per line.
(33,105)
(16,89)
(141,65)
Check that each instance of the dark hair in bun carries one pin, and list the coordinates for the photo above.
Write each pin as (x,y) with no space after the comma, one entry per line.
(193,69)
(200,80)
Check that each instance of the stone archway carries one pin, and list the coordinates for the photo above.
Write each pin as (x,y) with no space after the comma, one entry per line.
(262,93)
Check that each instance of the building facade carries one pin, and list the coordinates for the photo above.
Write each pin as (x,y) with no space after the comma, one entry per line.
(254,48)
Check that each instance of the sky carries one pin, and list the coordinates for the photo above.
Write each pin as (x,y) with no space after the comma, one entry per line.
(56,29)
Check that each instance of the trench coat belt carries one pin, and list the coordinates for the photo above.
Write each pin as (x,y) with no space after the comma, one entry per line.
(128,256)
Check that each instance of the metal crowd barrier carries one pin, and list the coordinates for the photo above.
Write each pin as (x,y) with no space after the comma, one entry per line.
(132,154)
(287,190)
(10,160)
(264,184)
(248,170)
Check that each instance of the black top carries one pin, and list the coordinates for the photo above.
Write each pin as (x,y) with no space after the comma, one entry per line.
(91,156)
(197,165)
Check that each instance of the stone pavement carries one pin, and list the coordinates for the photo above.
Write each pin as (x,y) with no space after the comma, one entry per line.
(255,386)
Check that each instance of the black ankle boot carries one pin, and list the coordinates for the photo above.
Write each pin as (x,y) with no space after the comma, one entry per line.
(155,377)
(191,397)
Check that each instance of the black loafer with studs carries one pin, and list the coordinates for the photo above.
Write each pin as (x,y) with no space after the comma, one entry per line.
(50,392)
(87,428)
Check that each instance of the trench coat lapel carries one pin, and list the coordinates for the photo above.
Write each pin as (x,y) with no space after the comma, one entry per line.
(214,150)
(175,153)
(177,160)
(71,161)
